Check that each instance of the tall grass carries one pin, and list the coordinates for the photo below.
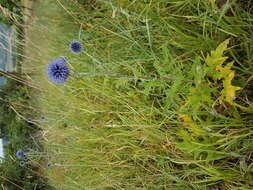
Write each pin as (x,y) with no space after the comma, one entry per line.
(122,133)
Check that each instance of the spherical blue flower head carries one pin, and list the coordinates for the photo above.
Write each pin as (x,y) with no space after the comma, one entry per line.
(20,153)
(76,47)
(49,165)
(26,159)
(22,163)
(57,71)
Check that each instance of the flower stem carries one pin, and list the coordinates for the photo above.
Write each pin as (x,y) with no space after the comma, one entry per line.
(118,76)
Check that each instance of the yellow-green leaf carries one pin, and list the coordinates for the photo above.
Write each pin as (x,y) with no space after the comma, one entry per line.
(216,59)
(228,93)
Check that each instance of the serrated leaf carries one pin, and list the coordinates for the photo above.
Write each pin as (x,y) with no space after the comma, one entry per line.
(224,71)
(218,71)
(216,59)
(228,93)
(221,48)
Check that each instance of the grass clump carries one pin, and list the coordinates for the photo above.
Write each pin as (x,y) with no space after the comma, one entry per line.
(192,131)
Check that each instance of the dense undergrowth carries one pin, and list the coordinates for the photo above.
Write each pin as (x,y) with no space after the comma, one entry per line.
(191,128)
(20,133)
(11,7)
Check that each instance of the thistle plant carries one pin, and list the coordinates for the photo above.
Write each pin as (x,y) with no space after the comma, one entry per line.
(31,155)
(20,154)
(58,72)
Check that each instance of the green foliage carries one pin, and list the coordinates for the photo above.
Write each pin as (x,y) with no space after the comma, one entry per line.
(217,71)
(12,6)
(181,131)
(5,20)
(14,99)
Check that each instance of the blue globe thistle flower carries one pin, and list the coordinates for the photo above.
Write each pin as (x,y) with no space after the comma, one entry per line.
(20,153)
(76,47)
(57,71)
(26,159)
(49,165)
(22,163)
